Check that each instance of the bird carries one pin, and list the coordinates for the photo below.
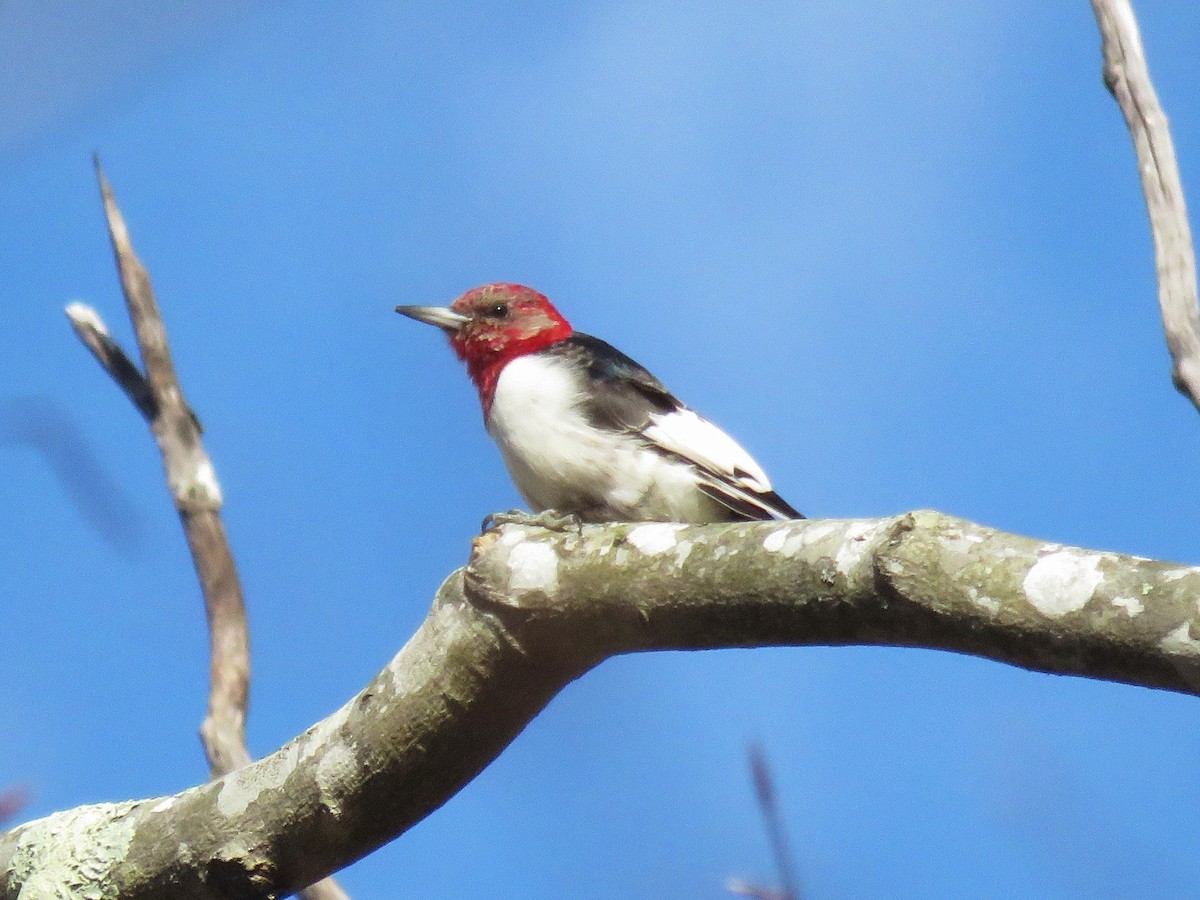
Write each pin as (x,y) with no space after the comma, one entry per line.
(585,431)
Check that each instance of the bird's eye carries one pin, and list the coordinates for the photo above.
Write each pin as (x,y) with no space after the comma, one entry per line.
(496,310)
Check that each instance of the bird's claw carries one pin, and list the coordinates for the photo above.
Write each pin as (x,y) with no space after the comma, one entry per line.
(492,521)
(550,519)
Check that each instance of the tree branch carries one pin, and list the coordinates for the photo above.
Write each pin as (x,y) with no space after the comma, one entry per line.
(534,609)
(193,483)
(768,805)
(1128,79)
(90,329)
(191,480)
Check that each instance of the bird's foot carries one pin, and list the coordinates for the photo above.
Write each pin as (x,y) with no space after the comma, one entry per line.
(550,519)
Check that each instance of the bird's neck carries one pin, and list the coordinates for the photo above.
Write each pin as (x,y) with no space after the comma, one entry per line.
(485,368)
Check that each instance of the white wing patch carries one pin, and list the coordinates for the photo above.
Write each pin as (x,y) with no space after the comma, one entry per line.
(693,437)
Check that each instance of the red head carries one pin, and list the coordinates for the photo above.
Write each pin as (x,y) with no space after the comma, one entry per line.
(492,325)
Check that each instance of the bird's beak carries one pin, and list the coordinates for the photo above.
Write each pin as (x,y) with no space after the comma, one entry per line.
(441,316)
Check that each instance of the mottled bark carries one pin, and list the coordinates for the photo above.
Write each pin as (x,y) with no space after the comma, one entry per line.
(535,609)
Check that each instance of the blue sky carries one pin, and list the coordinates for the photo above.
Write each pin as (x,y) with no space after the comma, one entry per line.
(899,252)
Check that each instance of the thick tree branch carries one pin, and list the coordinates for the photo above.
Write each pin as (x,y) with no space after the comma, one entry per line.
(192,481)
(535,609)
(1128,78)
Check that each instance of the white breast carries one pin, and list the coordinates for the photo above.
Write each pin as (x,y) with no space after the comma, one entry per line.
(559,461)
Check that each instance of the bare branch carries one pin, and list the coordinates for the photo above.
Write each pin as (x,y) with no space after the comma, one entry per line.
(768,804)
(533,610)
(91,329)
(193,483)
(1128,78)
(139,299)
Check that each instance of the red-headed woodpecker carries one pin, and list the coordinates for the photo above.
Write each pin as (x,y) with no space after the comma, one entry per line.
(586,431)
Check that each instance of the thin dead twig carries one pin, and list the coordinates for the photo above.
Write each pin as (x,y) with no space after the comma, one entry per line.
(768,804)
(192,482)
(194,488)
(1128,79)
